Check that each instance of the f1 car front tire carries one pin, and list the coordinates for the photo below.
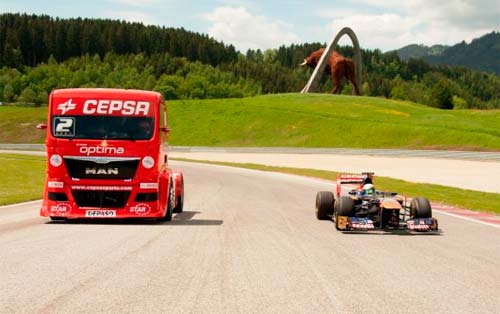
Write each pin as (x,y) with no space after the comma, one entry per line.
(420,207)
(324,205)
(346,206)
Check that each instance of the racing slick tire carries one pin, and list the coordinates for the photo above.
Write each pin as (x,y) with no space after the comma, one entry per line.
(170,203)
(346,206)
(324,205)
(180,199)
(420,208)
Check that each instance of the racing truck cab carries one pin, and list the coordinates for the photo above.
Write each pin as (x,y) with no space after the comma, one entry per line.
(107,156)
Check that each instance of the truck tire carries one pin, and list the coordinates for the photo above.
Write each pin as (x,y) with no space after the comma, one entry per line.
(346,206)
(170,203)
(56,218)
(324,205)
(420,207)
(180,199)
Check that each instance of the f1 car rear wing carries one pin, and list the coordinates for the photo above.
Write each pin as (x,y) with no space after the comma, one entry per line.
(364,177)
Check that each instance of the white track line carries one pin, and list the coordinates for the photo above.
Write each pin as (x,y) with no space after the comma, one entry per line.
(17,204)
(467,218)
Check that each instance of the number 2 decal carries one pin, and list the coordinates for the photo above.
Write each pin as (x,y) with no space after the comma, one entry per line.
(64,126)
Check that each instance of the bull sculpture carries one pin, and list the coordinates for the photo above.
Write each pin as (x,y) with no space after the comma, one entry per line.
(338,67)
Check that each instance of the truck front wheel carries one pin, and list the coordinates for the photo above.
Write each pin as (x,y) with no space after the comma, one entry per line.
(170,203)
(56,218)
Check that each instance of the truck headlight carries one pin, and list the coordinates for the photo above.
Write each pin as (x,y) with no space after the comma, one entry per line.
(56,160)
(148,162)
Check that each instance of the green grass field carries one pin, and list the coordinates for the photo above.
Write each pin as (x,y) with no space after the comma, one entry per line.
(23,178)
(321,120)
(296,120)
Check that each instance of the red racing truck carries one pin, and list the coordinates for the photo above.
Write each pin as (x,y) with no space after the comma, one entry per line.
(107,156)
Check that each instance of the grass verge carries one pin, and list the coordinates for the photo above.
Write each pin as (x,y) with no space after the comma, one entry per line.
(301,120)
(473,200)
(23,178)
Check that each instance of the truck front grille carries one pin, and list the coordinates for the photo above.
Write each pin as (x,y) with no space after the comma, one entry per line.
(82,167)
(101,199)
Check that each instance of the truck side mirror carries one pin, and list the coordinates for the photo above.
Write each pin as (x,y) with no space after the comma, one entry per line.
(41,126)
(165,129)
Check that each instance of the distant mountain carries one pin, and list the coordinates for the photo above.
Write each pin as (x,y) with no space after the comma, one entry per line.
(482,54)
(420,51)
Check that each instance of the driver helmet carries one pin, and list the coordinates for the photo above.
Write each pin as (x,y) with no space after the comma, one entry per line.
(368,189)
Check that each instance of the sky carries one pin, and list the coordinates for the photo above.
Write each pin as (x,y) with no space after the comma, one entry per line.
(267,24)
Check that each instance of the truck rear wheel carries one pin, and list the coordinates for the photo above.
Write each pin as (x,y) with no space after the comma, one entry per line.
(420,207)
(324,205)
(180,199)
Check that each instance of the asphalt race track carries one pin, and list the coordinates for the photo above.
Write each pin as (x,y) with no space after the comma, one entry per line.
(247,242)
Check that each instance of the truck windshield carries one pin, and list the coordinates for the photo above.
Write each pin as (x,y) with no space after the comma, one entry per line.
(103,127)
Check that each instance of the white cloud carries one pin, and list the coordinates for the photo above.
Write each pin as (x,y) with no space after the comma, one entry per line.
(383,31)
(415,21)
(245,31)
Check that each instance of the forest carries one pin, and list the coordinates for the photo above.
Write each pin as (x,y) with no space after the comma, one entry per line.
(41,53)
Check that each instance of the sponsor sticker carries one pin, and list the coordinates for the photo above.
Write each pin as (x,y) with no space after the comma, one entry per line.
(147,185)
(107,150)
(100,213)
(100,188)
(66,106)
(55,184)
(141,209)
(60,209)
(122,107)
(362,223)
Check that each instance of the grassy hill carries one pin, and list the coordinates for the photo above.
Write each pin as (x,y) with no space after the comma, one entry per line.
(296,120)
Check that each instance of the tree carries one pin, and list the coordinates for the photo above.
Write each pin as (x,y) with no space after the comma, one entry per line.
(28,96)
(441,96)
(8,93)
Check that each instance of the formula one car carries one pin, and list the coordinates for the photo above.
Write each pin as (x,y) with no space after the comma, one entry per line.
(365,208)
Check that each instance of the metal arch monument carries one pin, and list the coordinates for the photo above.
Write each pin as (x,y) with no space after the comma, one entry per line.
(320,67)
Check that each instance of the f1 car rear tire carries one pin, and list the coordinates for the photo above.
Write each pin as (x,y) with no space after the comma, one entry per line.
(324,205)
(420,207)
(346,206)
